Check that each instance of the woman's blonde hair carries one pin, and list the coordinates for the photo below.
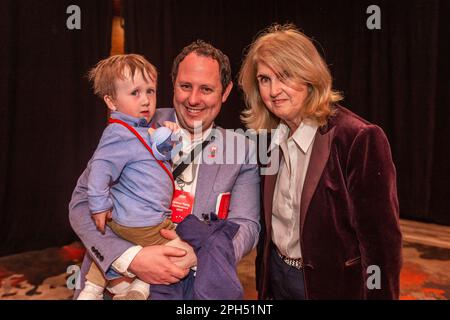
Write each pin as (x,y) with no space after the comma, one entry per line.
(107,71)
(290,53)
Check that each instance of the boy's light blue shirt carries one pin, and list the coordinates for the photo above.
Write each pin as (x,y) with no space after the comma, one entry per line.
(123,175)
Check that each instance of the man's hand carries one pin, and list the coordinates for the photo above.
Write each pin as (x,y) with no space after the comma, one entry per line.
(152,265)
(100,219)
(187,261)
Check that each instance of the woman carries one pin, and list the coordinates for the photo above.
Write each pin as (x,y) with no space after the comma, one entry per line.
(330,214)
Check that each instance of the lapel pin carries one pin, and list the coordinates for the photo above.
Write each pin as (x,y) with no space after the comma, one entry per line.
(212,152)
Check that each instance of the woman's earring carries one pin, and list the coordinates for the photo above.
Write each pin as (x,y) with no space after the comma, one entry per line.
(309,88)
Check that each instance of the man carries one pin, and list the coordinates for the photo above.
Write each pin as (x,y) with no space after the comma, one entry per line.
(201,77)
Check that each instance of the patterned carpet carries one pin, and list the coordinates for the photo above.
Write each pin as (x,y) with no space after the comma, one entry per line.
(425,273)
(39,275)
(43,274)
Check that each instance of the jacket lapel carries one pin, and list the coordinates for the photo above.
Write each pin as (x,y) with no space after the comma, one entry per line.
(269,188)
(207,173)
(319,157)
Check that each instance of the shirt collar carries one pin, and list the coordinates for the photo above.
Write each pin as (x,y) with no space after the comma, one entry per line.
(133,121)
(303,136)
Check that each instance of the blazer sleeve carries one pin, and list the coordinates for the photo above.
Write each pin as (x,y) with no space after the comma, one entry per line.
(371,179)
(104,249)
(245,205)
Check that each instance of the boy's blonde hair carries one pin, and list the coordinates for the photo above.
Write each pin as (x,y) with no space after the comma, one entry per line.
(289,52)
(107,71)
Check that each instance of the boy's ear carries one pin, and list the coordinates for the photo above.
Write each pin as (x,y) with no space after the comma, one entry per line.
(109,102)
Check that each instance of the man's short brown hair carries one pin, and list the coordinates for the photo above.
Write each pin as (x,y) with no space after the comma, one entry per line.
(205,49)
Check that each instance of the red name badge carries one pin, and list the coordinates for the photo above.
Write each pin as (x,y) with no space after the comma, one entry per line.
(181,206)
(223,205)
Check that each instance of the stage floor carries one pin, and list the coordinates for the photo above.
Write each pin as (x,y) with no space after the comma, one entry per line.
(425,274)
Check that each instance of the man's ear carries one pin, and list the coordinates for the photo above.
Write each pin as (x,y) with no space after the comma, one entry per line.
(110,103)
(227,92)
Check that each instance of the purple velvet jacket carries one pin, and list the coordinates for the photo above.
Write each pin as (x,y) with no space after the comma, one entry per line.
(348,214)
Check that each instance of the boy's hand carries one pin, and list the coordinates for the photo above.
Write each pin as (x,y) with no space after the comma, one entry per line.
(171,125)
(100,219)
(150,131)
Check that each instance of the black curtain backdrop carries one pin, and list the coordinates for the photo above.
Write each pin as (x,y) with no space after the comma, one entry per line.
(396,77)
(50,122)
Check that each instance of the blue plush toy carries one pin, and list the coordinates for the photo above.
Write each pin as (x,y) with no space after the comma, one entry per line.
(162,142)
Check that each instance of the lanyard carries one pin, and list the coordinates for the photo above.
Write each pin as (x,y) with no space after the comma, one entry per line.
(186,161)
(111,120)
